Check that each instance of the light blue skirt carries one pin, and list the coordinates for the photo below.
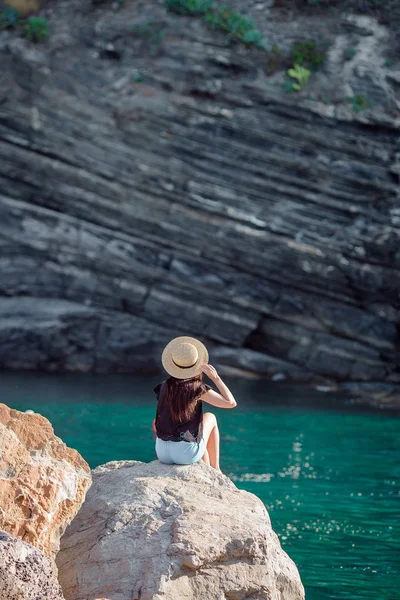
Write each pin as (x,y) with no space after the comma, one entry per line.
(180,453)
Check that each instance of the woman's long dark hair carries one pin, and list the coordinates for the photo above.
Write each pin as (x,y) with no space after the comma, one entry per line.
(181,395)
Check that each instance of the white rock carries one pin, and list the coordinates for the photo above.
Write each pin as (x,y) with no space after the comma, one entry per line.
(156,531)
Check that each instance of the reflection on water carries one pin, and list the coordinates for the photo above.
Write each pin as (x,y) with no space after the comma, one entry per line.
(330,481)
(328,473)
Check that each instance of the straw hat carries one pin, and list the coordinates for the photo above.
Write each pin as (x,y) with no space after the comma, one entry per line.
(182,357)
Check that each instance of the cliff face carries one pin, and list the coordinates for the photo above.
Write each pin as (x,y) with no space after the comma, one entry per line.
(156,181)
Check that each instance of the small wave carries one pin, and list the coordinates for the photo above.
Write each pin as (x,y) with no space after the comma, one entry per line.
(253,477)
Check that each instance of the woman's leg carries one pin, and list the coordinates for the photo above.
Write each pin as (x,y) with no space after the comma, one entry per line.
(211,436)
(206,458)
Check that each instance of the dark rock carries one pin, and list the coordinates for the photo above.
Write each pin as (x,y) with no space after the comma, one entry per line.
(382,395)
(26,573)
(179,190)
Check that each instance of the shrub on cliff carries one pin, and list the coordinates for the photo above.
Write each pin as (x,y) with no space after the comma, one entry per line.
(36,29)
(306,54)
(306,57)
(301,75)
(236,25)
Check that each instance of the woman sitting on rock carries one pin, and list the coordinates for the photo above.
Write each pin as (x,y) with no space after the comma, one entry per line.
(183,434)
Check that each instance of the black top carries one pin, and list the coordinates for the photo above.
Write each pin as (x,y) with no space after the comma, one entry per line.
(169,430)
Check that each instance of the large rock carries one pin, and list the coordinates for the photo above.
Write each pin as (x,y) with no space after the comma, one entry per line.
(157,179)
(25,573)
(43,482)
(155,531)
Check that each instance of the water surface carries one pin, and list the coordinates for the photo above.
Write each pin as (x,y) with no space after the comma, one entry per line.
(328,472)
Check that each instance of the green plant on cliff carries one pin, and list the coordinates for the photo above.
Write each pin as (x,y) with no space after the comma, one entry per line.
(301,75)
(236,25)
(36,29)
(188,7)
(359,102)
(9,18)
(306,57)
(306,54)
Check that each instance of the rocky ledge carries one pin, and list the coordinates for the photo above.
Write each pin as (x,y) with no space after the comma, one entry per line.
(154,531)
(157,180)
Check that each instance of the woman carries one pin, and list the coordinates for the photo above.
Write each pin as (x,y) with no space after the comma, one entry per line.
(183,434)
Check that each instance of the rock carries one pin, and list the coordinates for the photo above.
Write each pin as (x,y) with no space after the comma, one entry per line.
(247,362)
(363,74)
(155,180)
(153,531)
(25,573)
(322,353)
(381,395)
(43,482)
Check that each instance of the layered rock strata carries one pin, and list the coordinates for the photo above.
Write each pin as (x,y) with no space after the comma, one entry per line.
(156,181)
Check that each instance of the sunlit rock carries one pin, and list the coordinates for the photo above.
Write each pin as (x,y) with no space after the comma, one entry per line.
(155,531)
(43,482)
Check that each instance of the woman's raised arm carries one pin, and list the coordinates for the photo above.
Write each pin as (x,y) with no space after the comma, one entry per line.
(223,400)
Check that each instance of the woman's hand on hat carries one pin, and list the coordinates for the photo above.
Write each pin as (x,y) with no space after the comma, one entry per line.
(210,371)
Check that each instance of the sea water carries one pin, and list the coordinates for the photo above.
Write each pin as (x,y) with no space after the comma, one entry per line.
(327,471)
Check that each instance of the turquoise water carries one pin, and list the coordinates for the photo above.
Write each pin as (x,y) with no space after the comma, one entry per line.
(327,472)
